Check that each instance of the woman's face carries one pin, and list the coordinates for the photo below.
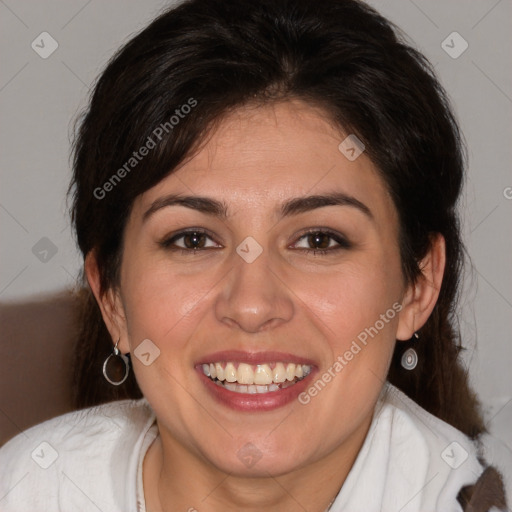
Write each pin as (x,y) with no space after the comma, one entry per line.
(254,297)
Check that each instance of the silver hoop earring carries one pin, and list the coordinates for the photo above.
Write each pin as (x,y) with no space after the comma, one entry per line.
(410,357)
(122,363)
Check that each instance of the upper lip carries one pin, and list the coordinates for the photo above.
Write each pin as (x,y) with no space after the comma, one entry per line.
(241,356)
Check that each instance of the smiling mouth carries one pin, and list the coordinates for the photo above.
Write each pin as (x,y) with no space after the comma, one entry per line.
(255,378)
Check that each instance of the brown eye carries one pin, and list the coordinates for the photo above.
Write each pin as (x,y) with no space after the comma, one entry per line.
(322,241)
(319,240)
(189,241)
(194,240)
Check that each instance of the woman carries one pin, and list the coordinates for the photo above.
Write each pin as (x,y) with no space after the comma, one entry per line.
(265,197)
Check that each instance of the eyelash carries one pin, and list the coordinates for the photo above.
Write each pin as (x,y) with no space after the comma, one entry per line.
(343,242)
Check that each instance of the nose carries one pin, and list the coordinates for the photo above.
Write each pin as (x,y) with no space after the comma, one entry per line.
(254,296)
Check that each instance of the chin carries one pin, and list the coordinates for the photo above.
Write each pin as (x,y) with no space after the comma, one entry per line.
(254,456)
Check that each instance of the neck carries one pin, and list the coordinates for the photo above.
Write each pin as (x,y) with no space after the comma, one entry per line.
(175,479)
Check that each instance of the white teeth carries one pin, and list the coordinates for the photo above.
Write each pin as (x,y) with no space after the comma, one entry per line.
(263,374)
(251,389)
(230,385)
(279,373)
(245,374)
(220,371)
(260,378)
(230,372)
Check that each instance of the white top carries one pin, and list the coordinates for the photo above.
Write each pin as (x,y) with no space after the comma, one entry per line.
(91,460)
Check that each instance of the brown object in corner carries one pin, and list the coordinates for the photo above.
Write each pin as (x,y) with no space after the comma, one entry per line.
(36,344)
(486,493)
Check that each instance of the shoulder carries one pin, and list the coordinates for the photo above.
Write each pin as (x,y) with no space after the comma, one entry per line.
(454,460)
(101,422)
(435,432)
(73,454)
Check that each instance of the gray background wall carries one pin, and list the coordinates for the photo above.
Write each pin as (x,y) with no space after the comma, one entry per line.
(40,97)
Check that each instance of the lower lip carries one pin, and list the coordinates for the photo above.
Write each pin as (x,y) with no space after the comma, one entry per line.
(257,401)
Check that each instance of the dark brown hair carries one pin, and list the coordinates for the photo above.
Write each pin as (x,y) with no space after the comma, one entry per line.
(339,55)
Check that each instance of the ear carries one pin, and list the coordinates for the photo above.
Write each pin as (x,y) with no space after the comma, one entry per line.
(421,296)
(109,302)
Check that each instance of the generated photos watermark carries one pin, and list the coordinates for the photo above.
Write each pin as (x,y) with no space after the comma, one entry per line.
(344,359)
(137,156)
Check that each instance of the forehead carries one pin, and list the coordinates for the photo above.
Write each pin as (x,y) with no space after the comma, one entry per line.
(258,156)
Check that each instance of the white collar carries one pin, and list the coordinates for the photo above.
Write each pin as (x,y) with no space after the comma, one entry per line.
(410,461)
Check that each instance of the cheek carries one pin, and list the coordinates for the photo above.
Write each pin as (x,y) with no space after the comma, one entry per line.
(353,298)
(161,305)
(167,310)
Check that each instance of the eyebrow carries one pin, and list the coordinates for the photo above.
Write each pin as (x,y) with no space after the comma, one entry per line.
(290,207)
